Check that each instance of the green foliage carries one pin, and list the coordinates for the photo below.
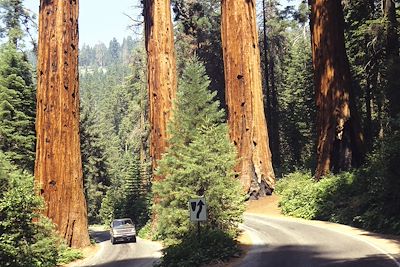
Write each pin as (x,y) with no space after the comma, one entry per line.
(145,232)
(27,238)
(297,107)
(113,133)
(16,21)
(198,32)
(211,246)
(17,108)
(67,255)
(306,198)
(95,167)
(199,161)
(367,198)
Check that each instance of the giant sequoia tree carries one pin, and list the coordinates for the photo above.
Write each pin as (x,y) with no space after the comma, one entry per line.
(161,72)
(58,166)
(340,140)
(248,127)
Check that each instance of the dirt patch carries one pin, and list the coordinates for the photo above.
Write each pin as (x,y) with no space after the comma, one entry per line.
(266,206)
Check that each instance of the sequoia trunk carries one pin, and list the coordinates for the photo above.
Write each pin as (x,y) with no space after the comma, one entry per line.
(340,140)
(247,123)
(58,166)
(161,72)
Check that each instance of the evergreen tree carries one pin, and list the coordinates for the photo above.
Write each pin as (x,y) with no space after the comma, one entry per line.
(27,238)
(17,92)
(17,107)
(95,168)
(297,105)
(16,21)
(199,161)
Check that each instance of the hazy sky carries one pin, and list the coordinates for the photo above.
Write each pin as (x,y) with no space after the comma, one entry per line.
(101,20)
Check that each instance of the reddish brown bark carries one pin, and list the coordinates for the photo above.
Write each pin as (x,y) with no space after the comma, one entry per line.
(247,124)
(161,73)
(58,166)
(340,140)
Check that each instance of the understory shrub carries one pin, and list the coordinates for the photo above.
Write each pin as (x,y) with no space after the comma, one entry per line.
(368,198)
(27,238)
(211,247)
(67,254)
(303,197)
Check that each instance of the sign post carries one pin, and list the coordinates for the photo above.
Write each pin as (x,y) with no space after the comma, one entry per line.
(198,211)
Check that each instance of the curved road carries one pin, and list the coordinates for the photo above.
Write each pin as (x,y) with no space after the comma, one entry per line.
(281,242)
(143,253)
(277,242)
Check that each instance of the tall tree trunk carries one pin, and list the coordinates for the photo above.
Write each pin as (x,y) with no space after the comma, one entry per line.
(161,73)
(246,119)
(58,166)
(274,123)
(368,113)
(340,139)
(267,101)
(393,60)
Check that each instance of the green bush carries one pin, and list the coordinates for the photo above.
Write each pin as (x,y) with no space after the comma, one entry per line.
(368,198)
(67,254)
(303,197)
(27,238)
(211,246)
(199,162)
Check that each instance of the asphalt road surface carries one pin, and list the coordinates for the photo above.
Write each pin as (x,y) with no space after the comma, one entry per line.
(277,242)
(288,243)
(143,253)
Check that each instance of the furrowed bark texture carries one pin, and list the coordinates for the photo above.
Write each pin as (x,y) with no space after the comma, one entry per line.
(58,166)
(247,123)
(161,73)
(340,140)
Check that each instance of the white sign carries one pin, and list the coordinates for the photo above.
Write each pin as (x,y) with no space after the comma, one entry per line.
(198,209)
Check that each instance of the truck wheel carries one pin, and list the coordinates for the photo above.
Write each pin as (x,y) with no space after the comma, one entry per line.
(134,239)
(112,240)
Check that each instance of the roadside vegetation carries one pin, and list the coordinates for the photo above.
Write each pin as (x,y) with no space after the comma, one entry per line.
(27,237)
(199,162)
(368,198)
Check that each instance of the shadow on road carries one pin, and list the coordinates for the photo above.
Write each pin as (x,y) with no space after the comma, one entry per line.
(142,262)
(306,256)
(99,236)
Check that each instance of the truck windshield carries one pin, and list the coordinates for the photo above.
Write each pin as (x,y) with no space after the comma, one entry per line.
(122,223)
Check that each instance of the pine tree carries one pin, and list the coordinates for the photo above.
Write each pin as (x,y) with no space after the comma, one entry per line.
(17,107)
(199,161)
(94,161)
(297,106)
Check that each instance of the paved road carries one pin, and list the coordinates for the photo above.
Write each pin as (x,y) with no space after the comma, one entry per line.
(289,243)
(143,253)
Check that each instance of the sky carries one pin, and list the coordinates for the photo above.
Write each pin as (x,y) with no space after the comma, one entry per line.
(101,20)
